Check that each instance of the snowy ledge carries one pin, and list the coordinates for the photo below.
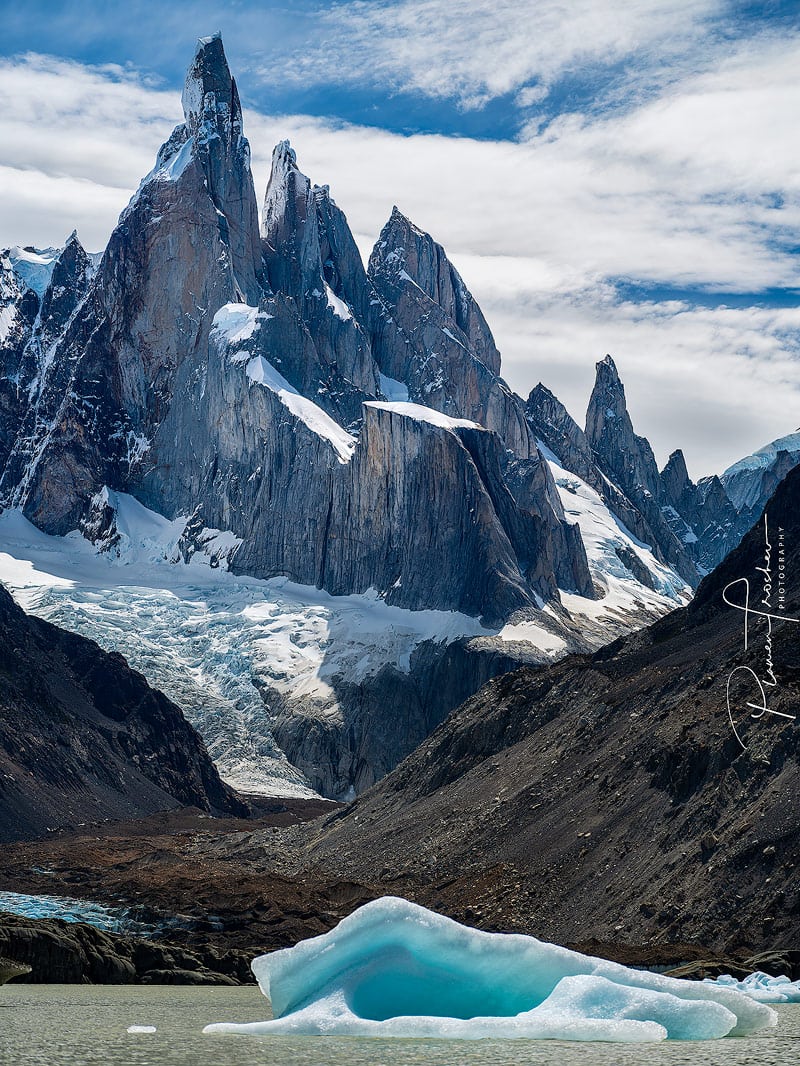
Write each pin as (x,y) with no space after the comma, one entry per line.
(235,324)
(423,414)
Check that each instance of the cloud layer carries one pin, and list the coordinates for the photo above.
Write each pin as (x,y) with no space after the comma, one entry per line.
(477,50)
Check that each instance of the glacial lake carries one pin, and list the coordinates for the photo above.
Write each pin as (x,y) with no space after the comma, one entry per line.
(85,1025)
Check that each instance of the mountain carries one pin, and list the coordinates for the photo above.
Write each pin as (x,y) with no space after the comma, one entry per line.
(84,738)
(301,481)
(227,407)
(690,527)
(617,779)
(750,482)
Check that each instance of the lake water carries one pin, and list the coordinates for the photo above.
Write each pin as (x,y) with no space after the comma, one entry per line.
(85,1025)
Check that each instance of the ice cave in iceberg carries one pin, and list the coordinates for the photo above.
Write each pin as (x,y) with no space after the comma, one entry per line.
(393,968)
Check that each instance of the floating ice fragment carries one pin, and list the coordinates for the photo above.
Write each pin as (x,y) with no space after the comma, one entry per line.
(761,986)
(141,1029)
(393,968)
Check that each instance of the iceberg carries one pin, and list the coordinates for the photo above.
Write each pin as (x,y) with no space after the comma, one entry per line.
(393,968)
(761,986)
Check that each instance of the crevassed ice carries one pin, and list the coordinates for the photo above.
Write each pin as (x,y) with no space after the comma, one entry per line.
(210,640)
(393,968)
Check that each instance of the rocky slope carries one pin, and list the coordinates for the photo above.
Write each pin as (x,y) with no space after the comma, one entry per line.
(616,778)
(83,737)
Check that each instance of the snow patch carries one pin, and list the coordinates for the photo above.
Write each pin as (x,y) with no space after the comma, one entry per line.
(235,324)
(530,632)
(339,307)
(423,414)
(452,337)
(608,543)
(262,372)
(8,316)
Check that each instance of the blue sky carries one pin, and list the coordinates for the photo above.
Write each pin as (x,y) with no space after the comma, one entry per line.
(608,177)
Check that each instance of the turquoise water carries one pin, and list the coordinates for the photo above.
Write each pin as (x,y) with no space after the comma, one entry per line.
(85,1025)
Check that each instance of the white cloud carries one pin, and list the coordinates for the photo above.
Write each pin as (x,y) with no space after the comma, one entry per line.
(476,50)
(718,382)
(76,140)
(697,188)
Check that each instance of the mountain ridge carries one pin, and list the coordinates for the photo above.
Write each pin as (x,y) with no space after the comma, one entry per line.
(343,427)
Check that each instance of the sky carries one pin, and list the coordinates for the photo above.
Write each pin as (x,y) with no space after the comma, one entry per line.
(607,177)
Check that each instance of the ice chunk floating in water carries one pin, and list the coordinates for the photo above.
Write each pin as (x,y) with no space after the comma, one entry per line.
(395,969)
(761,986)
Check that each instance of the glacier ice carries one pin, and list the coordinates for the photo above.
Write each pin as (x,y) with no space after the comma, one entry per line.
(216,642)
(67,909)
(393,968)
(761,986)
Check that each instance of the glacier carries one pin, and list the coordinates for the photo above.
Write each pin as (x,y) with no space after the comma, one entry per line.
(394,968)
(226,648)
(68,909)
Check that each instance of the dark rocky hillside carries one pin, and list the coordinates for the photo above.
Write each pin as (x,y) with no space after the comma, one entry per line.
(83,737)
(608,796)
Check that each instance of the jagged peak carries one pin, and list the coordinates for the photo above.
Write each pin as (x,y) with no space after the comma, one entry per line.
(206,42)
(73,250)
(677,463)
(540,389)
(397,218)
(607,367)
(284,156)
(209,92)
(400,241)
(607,402)
(286,181)
(608,387)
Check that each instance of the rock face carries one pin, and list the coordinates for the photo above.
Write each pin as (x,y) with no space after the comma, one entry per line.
(616,779)
(436,341)
(630,464)
(83,737)
(43,951)
(261,413)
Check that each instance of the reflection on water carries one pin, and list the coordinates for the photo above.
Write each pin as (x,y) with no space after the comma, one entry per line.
(85,1025)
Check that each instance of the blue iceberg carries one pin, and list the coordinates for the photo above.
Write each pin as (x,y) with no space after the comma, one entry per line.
(393,968)
(761,986)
